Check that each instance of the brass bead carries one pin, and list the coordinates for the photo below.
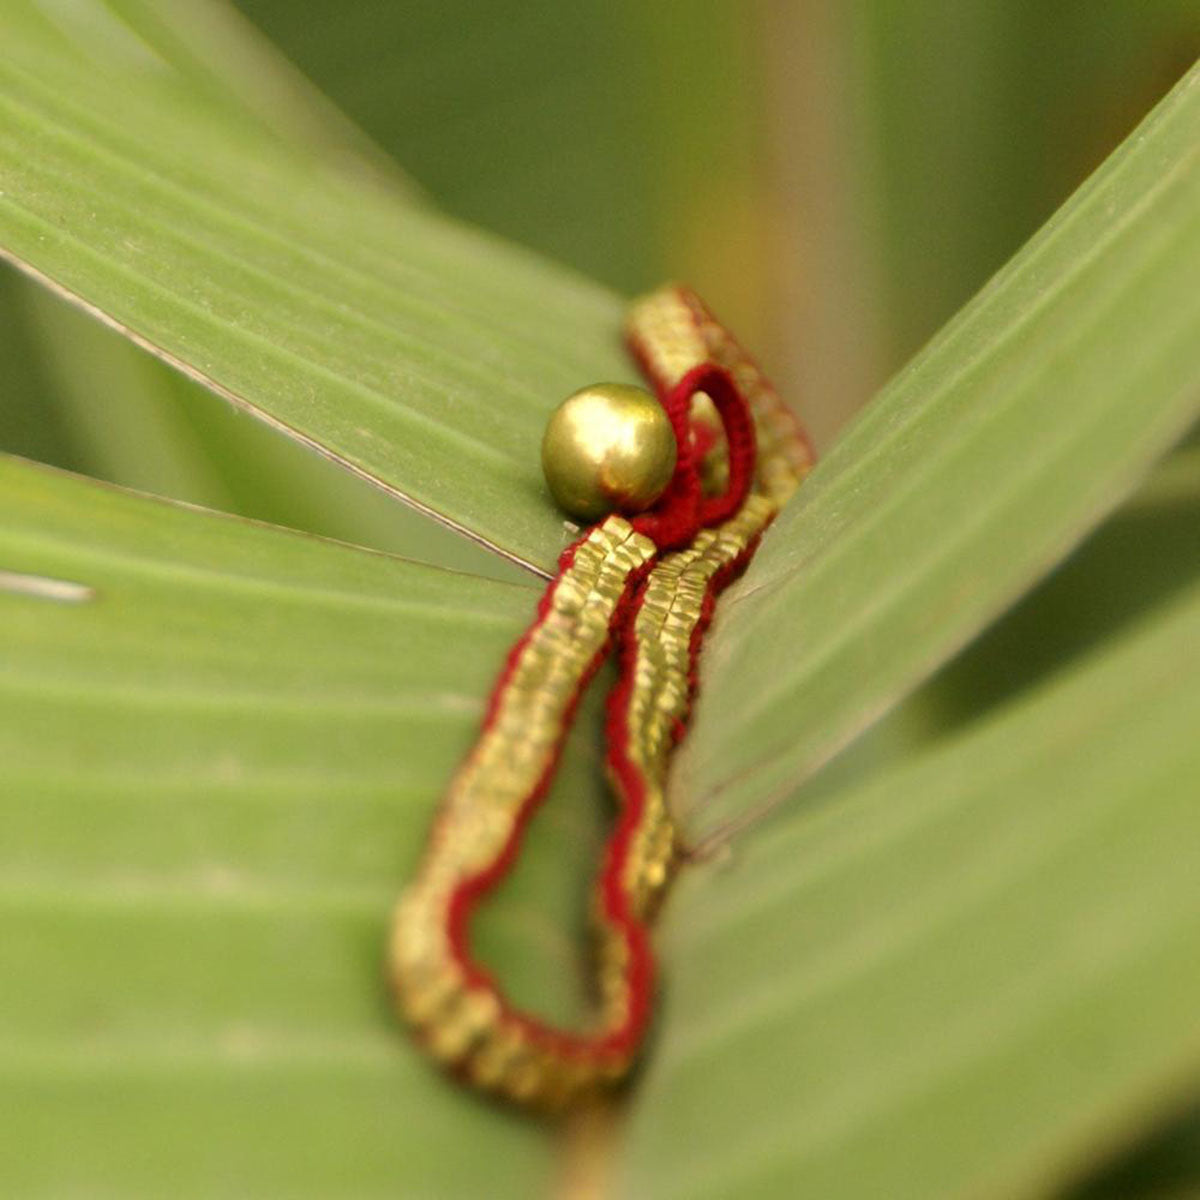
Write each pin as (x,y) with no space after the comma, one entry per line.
(608,448)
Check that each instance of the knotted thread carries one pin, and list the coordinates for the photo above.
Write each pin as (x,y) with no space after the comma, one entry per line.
(682,510)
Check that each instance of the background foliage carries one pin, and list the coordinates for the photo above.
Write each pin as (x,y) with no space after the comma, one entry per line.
(959,955)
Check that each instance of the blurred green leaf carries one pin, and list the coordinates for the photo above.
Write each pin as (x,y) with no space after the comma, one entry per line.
(975,119)
(218,60)
(618,137)
(220,746)
(421,355)
(977,469)
(962,978)
(915,146)
(29,424)
(1166,1166)
(529,119)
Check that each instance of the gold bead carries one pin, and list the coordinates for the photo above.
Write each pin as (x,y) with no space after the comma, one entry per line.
(608,448)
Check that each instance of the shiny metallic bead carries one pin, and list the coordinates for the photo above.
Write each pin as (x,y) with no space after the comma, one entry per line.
(608,448)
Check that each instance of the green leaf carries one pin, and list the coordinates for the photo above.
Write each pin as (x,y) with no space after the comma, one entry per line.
(975,471)
(156,430)
(1164,1165)
(419,354)
(220,747)
(160,432)
(960,978)
(28,423)
(1142,555)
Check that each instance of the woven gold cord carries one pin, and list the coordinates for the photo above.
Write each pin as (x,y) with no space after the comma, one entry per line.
(457,1010)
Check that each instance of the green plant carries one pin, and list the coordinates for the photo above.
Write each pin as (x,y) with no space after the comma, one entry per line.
(960,961)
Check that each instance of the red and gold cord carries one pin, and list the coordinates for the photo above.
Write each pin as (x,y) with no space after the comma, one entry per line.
(644,587)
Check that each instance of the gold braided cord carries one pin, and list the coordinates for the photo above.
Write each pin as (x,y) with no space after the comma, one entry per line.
(673,331)
(464,1023)
(660,698)
(459,1023)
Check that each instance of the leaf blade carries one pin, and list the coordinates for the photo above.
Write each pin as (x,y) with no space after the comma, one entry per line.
(975,471)
(963,977)
(209,798)
(420,355)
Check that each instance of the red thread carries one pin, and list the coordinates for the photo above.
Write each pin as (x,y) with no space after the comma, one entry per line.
(682,512)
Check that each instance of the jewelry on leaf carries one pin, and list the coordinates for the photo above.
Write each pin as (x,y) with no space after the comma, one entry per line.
(682,487)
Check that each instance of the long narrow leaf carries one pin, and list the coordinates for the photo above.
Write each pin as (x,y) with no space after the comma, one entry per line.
(981,465)
(420,354)
(220,748)
(963,978)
